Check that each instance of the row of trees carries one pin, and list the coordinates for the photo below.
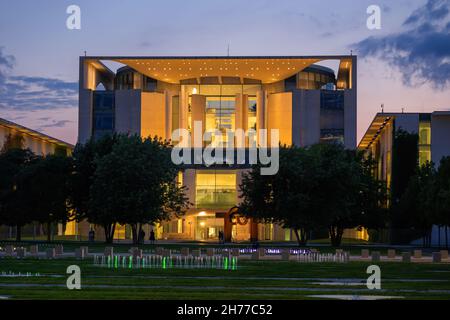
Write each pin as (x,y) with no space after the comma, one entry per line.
(323,186)
(426,201)
(328,187)
(129,180)
(420,195)
(115,179)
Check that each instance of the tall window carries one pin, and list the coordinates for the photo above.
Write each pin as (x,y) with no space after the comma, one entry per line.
(424,142)
(103,109)
(220,115)
(331,116)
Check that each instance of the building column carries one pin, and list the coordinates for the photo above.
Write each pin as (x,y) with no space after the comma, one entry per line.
(261,112)
(198,115)
(241,117)
(168,118)
(184,110)
(253,230)
(227,228)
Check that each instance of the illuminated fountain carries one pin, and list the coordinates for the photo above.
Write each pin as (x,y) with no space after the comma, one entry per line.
(12,274)
(167,262)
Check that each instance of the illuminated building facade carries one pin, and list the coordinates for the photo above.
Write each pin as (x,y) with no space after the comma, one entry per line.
(37,142)
(40,144)
(308,103)
(433,130)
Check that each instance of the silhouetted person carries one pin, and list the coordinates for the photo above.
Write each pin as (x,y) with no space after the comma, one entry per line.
(152,237)
(141,237)
(91,235)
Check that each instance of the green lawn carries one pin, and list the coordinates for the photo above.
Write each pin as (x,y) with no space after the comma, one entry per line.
(252,280)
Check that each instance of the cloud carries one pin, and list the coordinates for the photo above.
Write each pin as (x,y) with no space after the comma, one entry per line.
(33,93)
(55,124)
(6,65)
(421,51)
(432,10)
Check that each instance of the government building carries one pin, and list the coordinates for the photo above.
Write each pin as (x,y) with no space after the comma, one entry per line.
(433,143)
(19,136)
(153,96)
(432,129)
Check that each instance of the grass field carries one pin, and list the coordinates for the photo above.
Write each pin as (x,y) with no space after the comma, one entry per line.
(252,280)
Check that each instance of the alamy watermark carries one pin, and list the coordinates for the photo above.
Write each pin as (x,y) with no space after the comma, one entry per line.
(73,21)
(374,20)
(374,280)
(230,150)
(74,280)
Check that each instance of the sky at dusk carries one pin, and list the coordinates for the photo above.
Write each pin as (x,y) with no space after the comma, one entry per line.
(405,64)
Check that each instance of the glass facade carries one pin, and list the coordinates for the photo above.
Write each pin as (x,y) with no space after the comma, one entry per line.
(124,80)
(331,116)
(221,107)
(313,79)
(207,227)
(215,189)
(103,113)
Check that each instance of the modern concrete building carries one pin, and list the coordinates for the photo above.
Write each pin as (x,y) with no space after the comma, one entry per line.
(38,143)
(433,130)
(149,96)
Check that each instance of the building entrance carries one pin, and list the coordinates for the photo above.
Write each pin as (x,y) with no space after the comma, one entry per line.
(208,227)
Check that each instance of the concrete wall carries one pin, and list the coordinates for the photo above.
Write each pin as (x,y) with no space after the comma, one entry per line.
(91,74)
(350,118)
(279,116)
(306,124)
(440,137)
(198,108)
(408,122)
(153,114)
(85,115)
(128,111)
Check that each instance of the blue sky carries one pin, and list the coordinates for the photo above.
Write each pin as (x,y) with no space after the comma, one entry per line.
(406,64)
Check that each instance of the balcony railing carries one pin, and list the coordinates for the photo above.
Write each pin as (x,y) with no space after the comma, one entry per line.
(218,198)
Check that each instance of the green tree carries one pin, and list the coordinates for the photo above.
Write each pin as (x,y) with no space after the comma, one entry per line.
(373,197)
(404,166)
(443,196)
(283,198)
(46,183)
(135,184)
(349,197)
(14,208)
(85,157)
(418,203)
(12,141)
(320,186)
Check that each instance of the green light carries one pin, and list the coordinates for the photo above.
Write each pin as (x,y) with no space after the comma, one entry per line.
(109,261)
(225,264)
(130,262)
(233,263)
(164,262)
(116,262)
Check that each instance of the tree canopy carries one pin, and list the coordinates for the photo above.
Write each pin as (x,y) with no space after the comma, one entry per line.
(322,186)
(127,180)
